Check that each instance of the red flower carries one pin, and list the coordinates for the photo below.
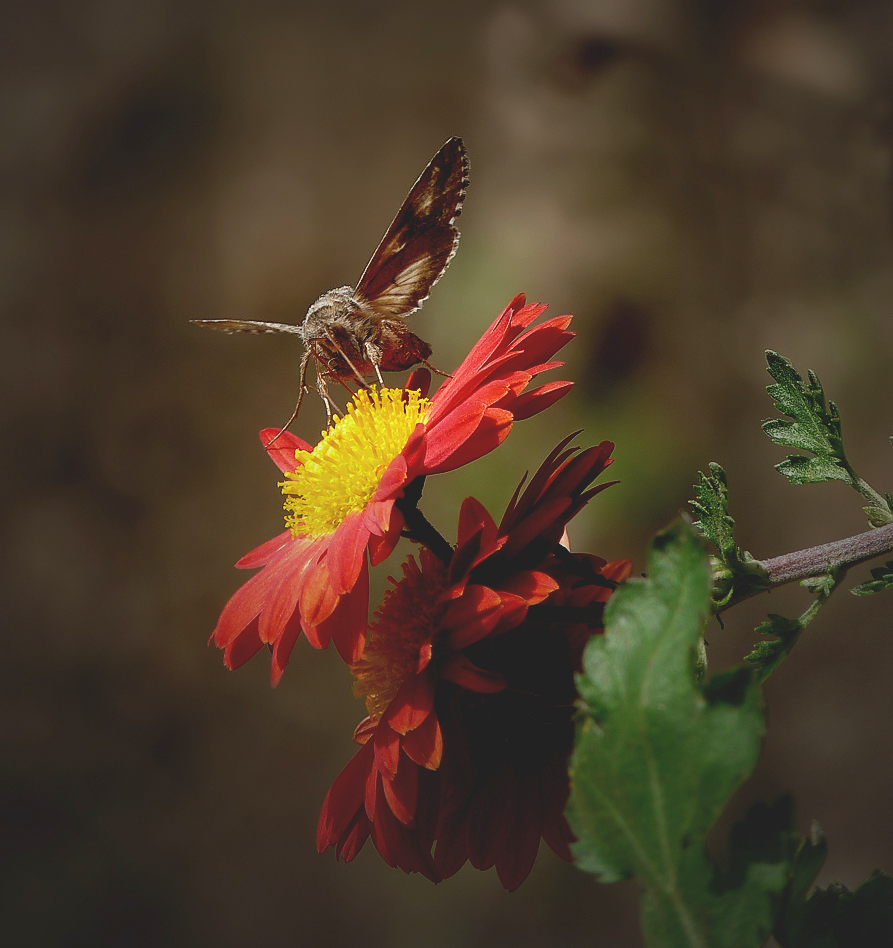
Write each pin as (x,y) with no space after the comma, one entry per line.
(468,680)
(342,494)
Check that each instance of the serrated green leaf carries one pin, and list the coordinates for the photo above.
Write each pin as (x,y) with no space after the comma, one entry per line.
(767,656)
(657,758)
(814,427)
(712,507)
(737,574)
(802,470)
(883,579)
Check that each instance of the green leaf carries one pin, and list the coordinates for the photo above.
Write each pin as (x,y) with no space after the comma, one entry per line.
(767,656)
(883,579)
(712,506)
(739,574)
(657,757)
(814,427)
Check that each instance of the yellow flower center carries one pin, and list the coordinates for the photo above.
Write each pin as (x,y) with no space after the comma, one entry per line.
(404,623)
(342,473)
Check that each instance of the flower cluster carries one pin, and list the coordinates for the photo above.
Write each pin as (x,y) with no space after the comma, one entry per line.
(467,669)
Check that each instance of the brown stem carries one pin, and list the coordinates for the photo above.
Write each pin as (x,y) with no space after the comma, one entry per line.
(418,527)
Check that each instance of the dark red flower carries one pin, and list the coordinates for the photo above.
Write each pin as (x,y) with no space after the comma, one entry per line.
(468,680)
(342,493)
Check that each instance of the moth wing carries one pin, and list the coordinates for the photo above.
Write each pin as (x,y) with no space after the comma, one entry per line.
(245,325)
(422,238)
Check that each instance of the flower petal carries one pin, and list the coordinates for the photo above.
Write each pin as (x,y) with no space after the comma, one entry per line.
(463,672)
(281,446)
(262,555)
(344,799)
(424,744)
(413,703)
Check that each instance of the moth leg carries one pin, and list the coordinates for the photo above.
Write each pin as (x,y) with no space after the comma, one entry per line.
(334,344)
(331,405)
(373,357)
(435,370)
(302,388)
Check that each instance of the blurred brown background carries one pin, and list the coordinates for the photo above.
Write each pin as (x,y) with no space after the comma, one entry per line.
(695,181)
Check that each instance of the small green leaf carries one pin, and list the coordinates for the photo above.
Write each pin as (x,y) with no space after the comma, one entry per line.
(883,579)
(767,656)
(657,757)
(815,427)
(712,506)
(737,574)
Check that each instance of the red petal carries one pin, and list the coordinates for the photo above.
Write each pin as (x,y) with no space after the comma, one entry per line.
(387,750)
(424,744)
(353,839)
(402,791)
(344,799)
(244,646)
(317,597)
(398,845)
(487,823)
(458,442)
(364,730)
(347,623)
(451,852)
(539,399)
(262,554)
(472,617)
(244,606)
(530,585)
(411,705)
(420,380)
(460,670)
(282,650)
(347,552)
(393,479)
(555,790)
(473,520)
(521,841)
(282,450)
(547,518)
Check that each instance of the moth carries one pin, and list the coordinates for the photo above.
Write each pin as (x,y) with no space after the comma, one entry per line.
(352,332)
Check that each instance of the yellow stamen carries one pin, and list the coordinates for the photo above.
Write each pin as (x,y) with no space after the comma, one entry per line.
(342,473)
(404,623)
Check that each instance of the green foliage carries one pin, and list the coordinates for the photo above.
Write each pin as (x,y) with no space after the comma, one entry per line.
(883,579)
(815,427)
(657,758)
(712,506)
(834,916)
(737,574)
(768,655)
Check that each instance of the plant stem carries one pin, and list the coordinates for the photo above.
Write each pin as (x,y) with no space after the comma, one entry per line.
(418,527)
(801,564)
